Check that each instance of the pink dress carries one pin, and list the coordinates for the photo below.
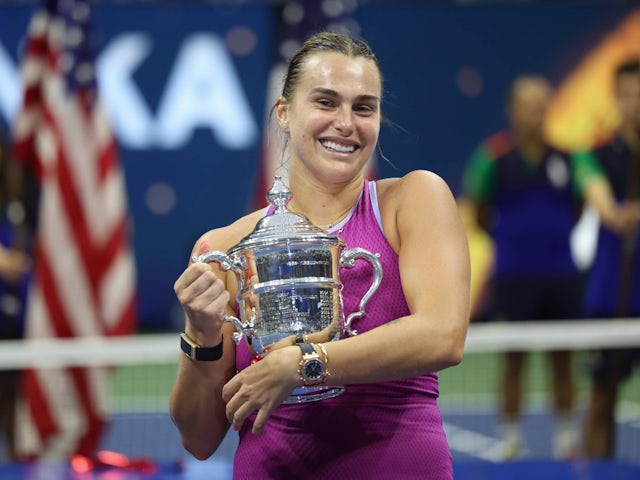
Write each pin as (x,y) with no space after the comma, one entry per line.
(386,430)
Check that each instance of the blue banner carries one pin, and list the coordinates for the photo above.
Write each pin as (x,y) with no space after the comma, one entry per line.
(185,87)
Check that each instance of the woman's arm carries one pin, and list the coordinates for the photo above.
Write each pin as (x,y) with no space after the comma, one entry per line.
(196,404)
(206,294)
(421,223)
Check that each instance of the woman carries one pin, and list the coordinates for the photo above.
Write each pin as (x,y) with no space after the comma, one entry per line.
(387,423)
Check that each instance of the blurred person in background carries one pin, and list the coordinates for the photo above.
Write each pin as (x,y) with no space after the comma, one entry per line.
(609,178)
(15,265)
(521,190)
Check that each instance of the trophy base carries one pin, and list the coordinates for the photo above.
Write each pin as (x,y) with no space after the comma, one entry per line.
(313,394)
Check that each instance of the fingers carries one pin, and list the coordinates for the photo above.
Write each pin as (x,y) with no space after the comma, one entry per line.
(239,402)
(198,286)
(242,404)
(229,390)
(204,298)
(260,421)
(260,388)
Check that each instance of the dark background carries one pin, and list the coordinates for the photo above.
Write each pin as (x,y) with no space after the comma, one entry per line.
(422,46)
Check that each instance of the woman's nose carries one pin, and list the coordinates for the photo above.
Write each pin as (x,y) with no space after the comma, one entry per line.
(344,121)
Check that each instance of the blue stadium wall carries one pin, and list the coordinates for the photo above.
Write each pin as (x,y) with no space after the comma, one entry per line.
(447,67)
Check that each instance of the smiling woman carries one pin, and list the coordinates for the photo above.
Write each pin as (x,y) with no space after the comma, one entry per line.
(333,118)
(387,423)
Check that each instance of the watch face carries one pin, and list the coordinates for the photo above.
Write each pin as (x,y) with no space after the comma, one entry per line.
(313,370)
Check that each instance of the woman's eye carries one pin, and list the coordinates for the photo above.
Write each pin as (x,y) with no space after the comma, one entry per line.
(363,109)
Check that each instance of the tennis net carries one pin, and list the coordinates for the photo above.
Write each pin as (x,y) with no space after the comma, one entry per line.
(143,367)
(471,393)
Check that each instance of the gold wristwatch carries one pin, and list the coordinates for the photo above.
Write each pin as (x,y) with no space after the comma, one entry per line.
(312,369)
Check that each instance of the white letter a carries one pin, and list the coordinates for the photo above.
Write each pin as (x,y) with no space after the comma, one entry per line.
(204,91)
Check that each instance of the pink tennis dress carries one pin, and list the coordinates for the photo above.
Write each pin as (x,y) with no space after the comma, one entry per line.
(387,430)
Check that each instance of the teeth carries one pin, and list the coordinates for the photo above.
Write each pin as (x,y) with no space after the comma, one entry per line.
(339,148)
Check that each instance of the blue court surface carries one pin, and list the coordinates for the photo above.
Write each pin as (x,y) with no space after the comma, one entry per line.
(221,470)
(520,470)
(151,450)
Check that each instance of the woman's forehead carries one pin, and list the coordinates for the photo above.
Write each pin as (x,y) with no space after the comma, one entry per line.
(336,70)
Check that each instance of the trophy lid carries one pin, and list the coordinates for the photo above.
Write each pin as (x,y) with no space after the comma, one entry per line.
(283,225)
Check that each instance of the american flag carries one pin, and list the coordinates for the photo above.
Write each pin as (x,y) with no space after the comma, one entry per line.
(297,20)
(84,275)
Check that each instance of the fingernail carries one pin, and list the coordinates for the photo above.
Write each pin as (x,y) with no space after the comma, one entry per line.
(235,428)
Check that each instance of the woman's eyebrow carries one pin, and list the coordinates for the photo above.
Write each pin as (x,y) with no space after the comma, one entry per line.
(333,93)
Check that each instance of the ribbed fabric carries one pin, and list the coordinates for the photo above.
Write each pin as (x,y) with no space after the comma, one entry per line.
(386,430)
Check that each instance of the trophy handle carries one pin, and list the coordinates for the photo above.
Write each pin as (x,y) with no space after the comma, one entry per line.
(347,259)
(242,330)
(215,256)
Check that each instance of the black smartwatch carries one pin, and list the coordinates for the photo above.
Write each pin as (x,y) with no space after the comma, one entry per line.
(312,369)
(196,352)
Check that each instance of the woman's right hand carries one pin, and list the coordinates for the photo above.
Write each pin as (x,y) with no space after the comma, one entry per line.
(204,298)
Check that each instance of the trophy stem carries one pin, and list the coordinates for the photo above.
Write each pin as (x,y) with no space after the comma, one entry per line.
(312,394)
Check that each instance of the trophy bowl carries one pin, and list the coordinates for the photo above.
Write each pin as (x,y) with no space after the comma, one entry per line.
(287,271)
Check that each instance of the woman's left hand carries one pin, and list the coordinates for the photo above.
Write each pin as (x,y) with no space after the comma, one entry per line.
(262,387)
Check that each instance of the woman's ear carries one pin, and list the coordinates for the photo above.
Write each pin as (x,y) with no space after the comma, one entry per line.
(282,114)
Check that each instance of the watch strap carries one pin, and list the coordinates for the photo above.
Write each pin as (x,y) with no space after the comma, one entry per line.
(196,352)
(307,348)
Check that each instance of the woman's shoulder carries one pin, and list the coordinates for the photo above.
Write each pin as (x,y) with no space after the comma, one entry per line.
(223,238)
(419,191)
(417,184)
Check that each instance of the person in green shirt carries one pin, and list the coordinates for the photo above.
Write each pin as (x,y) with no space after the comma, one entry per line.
(523,193)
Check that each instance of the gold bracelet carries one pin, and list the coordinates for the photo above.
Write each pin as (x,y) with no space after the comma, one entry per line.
(326,358)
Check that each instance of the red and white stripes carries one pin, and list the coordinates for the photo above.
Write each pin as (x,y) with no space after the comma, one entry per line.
(84,278)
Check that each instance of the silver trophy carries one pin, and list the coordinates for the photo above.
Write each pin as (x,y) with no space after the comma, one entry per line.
(287,271)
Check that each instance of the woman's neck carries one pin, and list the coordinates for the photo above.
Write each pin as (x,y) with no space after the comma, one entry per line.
(323,205)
